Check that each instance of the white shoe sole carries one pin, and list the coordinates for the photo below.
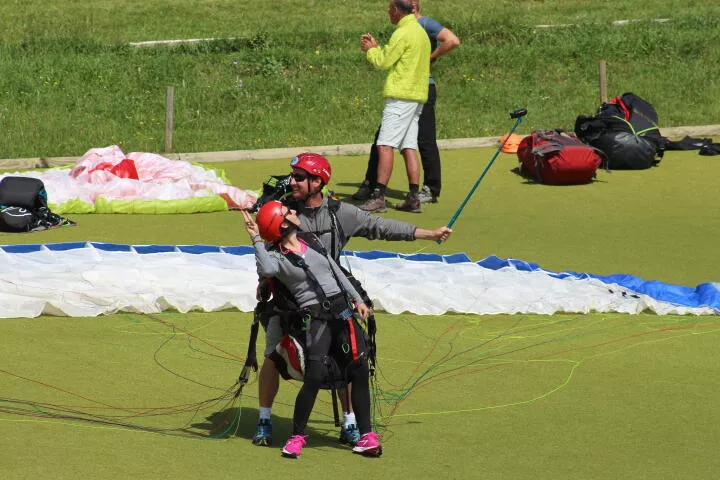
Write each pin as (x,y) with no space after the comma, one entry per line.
(368,451)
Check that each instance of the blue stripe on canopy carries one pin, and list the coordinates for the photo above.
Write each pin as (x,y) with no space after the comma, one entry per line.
(703,295)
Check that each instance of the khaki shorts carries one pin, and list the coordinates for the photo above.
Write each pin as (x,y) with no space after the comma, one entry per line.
(399,127)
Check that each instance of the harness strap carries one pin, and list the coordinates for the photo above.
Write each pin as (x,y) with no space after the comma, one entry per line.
(333,207)
(298,261)
(314,242)
(336,412)
(309,340)
(251,358)
(626,111)
(352,339)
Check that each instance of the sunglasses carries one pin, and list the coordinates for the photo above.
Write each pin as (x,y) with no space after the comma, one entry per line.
(298,177)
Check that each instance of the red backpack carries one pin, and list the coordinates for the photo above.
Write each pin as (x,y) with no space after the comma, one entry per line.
(554,157)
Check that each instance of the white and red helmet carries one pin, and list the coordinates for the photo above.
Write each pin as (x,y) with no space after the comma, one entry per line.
(314,164)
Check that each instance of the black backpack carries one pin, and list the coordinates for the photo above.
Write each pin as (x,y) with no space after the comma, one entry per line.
(277,187)
(24,206)
(626,130)
(22,200)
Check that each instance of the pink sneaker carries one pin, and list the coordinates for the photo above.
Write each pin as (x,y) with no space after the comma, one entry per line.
(368,445)
(293,446)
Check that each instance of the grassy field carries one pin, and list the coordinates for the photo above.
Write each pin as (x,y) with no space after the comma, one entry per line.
(596,396)
(587,396)
(287,71)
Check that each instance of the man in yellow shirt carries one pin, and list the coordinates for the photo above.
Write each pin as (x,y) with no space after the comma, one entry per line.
(407,57)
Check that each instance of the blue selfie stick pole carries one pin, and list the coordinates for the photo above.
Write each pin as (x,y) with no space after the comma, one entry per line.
(518,116)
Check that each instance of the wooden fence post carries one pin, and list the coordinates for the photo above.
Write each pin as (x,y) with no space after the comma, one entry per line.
(602,69)
(169,114)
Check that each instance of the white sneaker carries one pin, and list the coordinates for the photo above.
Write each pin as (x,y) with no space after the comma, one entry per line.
(426,196)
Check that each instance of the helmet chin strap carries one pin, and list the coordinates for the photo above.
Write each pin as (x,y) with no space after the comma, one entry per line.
(305,199)
(288,228)
(318,193)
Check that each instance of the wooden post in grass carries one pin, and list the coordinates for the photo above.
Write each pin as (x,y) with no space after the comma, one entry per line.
(169,113)
(602,69)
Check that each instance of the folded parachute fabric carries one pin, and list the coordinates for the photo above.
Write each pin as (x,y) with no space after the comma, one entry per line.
(90,279)
(105,180)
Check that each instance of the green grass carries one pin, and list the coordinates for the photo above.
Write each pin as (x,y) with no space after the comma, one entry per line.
(293,75)
(586,396)
(524,396)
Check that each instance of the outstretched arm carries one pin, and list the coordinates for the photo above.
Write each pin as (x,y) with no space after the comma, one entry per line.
(439,234)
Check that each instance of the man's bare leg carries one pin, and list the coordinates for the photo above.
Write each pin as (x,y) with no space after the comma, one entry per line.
(385,164)
(412,165)
(349,432)
(268,383)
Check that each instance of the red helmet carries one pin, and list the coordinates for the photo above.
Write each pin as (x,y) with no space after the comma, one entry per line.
(314,164)
(269,218)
